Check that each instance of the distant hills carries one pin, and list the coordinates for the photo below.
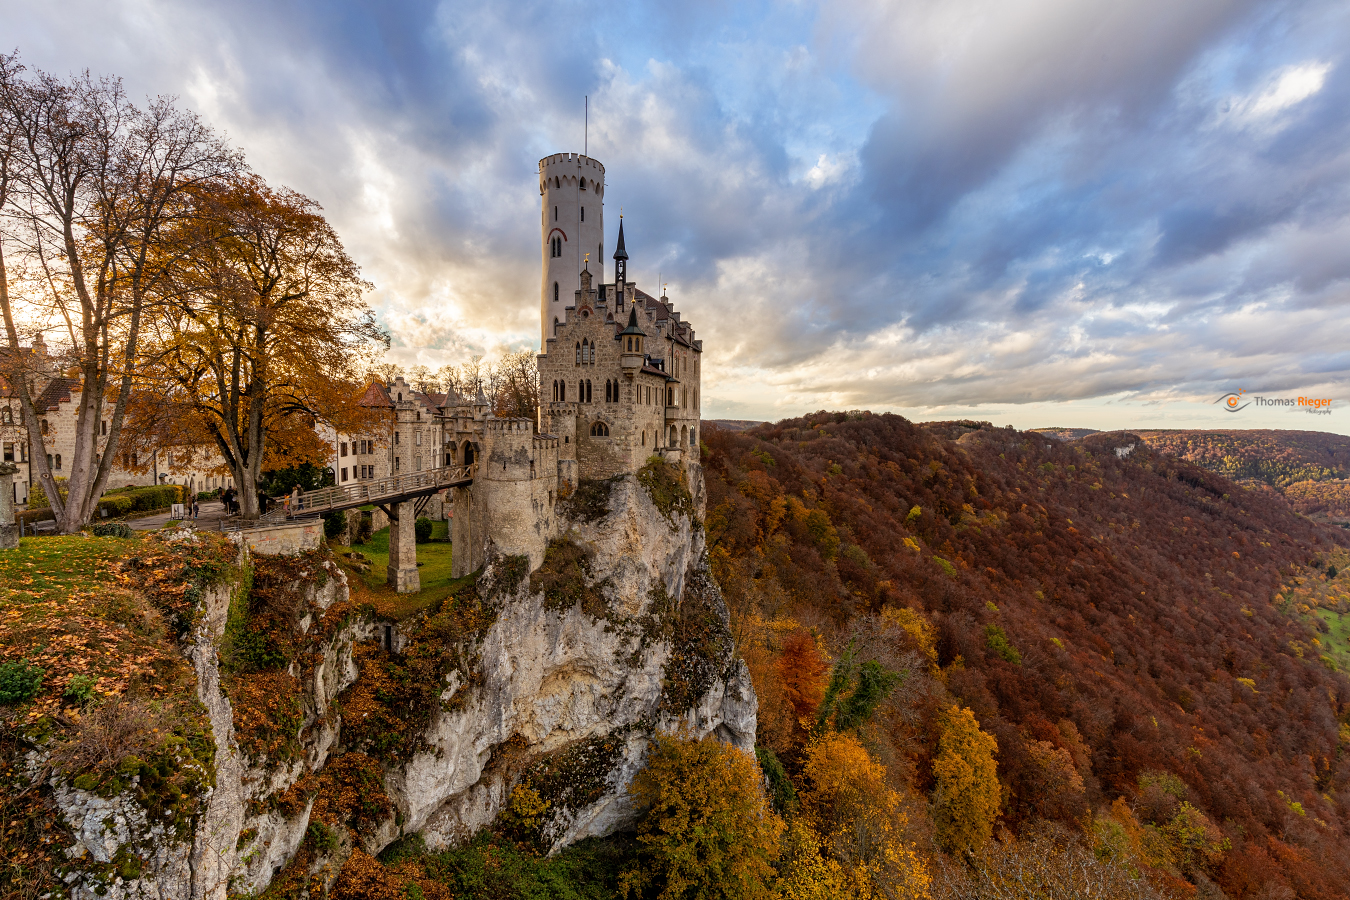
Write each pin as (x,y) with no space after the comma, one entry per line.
(1310,468)
(1156,654)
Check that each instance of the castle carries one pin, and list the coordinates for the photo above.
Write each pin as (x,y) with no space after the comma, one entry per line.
(618,383)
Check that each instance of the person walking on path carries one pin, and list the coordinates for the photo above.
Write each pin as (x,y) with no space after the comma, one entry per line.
(196,510)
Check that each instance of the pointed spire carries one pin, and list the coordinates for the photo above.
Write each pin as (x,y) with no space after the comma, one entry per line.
(619,251)
(633,327)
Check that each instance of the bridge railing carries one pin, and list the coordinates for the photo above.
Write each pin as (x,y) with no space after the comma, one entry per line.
(360,493)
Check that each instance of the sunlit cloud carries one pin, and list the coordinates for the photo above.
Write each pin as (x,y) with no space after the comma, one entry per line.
(967,208)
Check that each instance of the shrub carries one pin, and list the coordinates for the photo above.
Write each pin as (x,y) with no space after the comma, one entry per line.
(335,523)
(142,499)
(19,682)
(781,791)
(708,830)
(112,529)
(422,529)
(999,643)
(80,689)
(37,494)
(365,528)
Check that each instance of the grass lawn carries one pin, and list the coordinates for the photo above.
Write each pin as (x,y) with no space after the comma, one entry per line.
(1336,643)
(66,607)
(433,571)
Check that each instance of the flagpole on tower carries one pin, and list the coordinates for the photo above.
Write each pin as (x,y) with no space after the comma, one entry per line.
(586,133)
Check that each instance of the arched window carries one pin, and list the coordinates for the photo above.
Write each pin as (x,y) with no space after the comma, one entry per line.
(588,390)
(468,454)
(674,438)
(606,390)
(581,391)
(583,187)
(58,460)
(44,426)
(599,429)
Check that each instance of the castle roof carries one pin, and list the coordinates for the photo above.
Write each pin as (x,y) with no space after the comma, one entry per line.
(619,251)
(55,393)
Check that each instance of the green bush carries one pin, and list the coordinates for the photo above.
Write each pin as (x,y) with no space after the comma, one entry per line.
(999,643)
(142,499)
(19,682)
(334,523)
(80,689)
(112,529)
(422,529)
(364,529)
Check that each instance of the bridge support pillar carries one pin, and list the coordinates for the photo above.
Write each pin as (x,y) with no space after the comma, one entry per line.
(402,569)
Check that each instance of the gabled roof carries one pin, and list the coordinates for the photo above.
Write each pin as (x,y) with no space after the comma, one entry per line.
(376,395)
(56,392)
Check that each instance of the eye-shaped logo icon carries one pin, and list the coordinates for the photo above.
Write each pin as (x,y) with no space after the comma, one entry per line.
(1232,401)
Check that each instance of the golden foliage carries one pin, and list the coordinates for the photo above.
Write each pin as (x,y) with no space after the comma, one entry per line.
(966,798)
(862,819)
(708,830)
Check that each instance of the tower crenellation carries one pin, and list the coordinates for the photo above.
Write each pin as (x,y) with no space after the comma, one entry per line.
(572,229)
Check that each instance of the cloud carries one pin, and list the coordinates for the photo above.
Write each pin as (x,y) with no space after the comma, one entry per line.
(925,207)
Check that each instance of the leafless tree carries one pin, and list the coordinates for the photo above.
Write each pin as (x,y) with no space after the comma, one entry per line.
(93,183)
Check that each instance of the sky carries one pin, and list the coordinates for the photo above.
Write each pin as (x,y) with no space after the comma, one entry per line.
(1034,212)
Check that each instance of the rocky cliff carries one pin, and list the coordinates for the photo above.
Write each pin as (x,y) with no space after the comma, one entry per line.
(339,723)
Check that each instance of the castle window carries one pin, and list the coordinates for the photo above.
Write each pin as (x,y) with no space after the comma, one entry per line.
(583,187)
(344,473)
(607,398)
(581,391)
(555,292)
(693,440)
(103,427)
(58,460)
(583,209)
(44,426)
(588,390)
(599,429)
(578,353)
(8,416)
(555,213)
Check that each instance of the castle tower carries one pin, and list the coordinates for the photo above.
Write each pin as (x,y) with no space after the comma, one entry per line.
(572,190)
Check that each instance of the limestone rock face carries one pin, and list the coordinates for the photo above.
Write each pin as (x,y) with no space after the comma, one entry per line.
(556,678)
(564,696)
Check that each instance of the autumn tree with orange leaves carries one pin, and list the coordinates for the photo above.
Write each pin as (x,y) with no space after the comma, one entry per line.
(265,334)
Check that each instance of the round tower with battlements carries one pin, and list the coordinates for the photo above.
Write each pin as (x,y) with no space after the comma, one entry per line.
(572,191)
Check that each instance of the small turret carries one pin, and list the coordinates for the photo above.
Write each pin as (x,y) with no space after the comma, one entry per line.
(631,353)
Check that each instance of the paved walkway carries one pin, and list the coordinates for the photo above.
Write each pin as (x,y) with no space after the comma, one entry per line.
(210,518)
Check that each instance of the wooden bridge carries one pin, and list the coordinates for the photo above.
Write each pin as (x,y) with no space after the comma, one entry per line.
(384,493)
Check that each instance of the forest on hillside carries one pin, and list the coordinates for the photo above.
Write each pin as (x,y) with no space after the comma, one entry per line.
(1310,468)
(1133,632)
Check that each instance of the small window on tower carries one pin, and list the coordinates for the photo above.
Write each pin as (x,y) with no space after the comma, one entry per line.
(555,213)
(583,187)
(555,292)
(583,211)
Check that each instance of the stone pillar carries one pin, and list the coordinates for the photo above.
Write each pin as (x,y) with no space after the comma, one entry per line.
(9,532)
(402,569)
